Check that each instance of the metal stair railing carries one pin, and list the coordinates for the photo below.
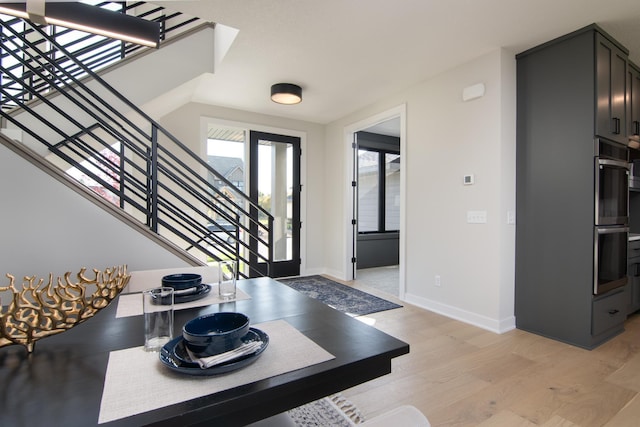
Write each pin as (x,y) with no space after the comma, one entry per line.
(95,52)
(144,169)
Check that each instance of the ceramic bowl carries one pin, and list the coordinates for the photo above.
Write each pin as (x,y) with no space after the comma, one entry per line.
(215,333)
(182,281)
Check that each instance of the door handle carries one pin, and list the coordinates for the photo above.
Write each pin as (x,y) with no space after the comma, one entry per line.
(616,125)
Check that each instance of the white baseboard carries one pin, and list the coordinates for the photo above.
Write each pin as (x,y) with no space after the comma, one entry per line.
(484,322)
(333,273)
(311,272)
(321,271)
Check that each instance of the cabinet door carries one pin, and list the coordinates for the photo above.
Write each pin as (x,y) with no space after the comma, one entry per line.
(611,75)
(634,285)
(633,102)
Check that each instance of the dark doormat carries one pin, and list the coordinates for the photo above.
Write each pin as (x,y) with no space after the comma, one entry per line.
(341,297)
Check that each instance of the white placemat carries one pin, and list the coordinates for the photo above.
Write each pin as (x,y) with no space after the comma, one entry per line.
(131,304)
(136,381)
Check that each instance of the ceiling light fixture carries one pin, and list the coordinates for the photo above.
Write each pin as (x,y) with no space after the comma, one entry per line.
(90,19)
(286,93)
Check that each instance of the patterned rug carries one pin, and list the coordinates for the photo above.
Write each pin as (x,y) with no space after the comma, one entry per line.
(341,297)
(334,411)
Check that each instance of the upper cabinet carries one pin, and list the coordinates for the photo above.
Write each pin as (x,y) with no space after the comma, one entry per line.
(611,84)
(633,103)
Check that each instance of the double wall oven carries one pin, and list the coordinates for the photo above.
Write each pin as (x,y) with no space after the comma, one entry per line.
(611,231)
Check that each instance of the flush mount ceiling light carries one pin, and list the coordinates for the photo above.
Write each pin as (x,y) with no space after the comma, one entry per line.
(286,93)
(87,18)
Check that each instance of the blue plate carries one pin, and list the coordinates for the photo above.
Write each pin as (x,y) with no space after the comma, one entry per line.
(182,281)
(174,356)
(200,292)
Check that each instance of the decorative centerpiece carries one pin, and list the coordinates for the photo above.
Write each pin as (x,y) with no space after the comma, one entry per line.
(37,311)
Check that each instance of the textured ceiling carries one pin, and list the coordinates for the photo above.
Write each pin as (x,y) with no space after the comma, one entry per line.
(347,54)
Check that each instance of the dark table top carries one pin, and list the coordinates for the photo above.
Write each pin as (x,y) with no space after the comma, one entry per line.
(61,382)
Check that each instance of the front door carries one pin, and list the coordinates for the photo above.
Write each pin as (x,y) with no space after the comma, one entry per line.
(275,186)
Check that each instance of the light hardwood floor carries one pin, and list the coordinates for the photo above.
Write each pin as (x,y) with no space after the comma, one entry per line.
(461,375)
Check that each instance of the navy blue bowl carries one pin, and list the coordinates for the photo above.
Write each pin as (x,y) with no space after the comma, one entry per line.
(215,333)
(182,281)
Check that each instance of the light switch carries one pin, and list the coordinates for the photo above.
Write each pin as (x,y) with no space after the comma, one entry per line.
(476,217)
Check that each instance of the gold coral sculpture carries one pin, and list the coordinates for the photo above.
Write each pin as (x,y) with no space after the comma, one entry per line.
(38,311)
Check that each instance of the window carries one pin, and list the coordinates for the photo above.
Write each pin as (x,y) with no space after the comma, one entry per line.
(105,165)
(378,191)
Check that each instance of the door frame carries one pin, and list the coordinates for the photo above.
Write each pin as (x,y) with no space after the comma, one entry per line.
(206,121)
(349,244)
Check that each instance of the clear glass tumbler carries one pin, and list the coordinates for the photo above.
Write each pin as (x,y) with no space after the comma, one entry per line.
(157,304)
(227,271)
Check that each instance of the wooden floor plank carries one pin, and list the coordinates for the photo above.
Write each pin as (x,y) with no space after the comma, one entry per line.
(629,416)
(557,421)
(628,375)
(597,405)
(507,418)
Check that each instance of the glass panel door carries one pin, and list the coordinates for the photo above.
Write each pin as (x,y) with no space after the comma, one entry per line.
(275,185)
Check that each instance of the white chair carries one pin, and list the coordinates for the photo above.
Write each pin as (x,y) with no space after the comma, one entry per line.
(146,279)
(405,416)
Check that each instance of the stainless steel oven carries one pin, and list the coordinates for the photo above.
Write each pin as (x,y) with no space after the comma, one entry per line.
(610,258)
(612,192)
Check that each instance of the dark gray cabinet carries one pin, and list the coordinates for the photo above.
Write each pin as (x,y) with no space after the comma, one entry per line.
(609,311)
(634,276)
(611,77)
(633,102)
(563,104)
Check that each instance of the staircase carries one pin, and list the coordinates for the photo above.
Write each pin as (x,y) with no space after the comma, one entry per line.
(57,105)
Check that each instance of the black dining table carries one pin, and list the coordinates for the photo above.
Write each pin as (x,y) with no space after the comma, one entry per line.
(61,382)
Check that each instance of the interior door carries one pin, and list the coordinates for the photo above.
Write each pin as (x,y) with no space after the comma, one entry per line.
(275,185)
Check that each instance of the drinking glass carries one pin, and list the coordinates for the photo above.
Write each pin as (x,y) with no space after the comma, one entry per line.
(227,271)
(157,304)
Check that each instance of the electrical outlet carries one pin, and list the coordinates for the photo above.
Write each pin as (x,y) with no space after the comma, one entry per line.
(437,280)
(511,217)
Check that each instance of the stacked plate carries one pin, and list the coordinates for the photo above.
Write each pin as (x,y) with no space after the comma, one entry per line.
(187,287)
(214,344)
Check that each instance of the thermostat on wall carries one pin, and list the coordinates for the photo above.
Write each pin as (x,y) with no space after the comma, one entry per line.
(473,92)
(467,179)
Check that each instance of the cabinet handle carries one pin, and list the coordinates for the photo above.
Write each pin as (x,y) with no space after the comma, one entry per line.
(613,312)
(616,125)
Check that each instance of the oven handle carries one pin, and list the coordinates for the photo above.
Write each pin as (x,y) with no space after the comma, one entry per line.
(611,230)
(611,162)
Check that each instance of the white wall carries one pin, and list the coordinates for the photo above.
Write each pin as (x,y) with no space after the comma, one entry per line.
(185,124)
(446,139)
(47,228)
